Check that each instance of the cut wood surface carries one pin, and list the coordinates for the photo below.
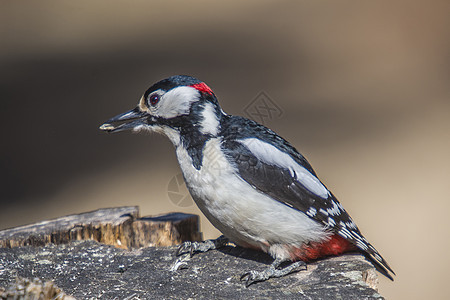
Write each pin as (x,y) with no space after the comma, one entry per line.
(113,261)
(90,270)
(120,226)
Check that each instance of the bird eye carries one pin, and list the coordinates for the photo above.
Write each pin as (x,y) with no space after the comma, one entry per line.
(154,99)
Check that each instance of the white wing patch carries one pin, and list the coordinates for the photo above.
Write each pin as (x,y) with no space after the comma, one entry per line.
(311,212)
(345,233)
(335,210)
(323,212)
(271,155)
(331,222)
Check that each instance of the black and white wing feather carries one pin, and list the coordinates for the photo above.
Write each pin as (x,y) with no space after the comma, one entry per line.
(271,165)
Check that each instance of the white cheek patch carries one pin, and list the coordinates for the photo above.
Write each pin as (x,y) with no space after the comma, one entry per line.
(176,102)
(271,155)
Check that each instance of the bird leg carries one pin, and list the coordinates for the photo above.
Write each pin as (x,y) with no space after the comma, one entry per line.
(192,247)
(272,271)
(188,249)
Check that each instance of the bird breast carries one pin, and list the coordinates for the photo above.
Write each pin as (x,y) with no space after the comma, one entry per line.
(245,215)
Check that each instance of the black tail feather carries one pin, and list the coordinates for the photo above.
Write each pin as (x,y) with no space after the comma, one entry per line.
(369,251)
(383,268)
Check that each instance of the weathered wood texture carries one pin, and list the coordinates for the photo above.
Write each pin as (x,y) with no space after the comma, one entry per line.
(24,288)
(121,227)
(90,270)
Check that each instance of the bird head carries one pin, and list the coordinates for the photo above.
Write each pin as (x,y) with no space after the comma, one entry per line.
(176,104)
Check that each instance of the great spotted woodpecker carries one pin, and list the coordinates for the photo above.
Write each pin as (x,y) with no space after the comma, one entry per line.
(250,183)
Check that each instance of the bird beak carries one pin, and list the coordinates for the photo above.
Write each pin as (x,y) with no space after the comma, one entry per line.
(126,121)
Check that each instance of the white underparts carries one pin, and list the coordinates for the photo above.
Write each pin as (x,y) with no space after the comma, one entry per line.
(243,214)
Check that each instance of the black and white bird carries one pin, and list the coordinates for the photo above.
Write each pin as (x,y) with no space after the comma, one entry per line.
(250,183)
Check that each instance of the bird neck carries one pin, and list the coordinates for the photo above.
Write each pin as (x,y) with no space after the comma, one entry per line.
(195,129)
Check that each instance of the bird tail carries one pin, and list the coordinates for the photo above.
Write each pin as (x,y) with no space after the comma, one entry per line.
(369,252)
(378,261)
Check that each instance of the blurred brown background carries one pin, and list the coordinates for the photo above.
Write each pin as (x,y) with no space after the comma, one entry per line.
(363,86)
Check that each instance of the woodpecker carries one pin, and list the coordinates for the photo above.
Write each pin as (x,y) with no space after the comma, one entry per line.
(250,183)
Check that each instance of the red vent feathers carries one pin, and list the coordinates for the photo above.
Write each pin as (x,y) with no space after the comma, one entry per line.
(336,245)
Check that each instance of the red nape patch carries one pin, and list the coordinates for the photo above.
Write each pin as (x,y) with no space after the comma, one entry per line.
(336,245)
(202,87)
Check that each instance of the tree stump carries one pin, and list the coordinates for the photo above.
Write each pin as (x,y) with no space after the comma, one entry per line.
(114,254)
(121,227)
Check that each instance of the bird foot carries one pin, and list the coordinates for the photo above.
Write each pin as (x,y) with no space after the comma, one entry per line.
(193,247)
(272,272)
(180,263)
(187,249)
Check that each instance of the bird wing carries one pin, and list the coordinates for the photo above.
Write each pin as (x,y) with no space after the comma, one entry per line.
(272,166)
(279,175)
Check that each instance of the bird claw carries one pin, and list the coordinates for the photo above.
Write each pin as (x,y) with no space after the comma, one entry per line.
(192,247)
(272,271)
(251,277)
(180,263)
(186,247)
